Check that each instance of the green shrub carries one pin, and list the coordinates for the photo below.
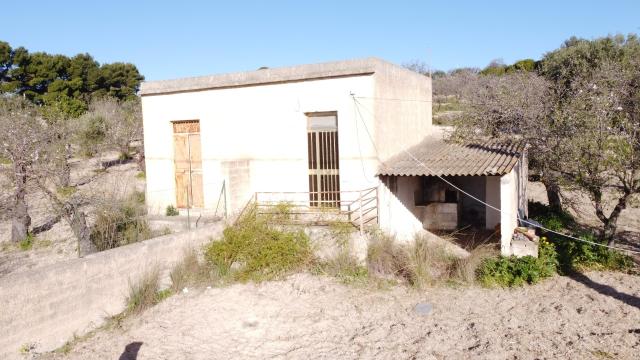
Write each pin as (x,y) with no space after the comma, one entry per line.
(516,271)
(27,243)
(252,249)
(573,255)
(550,219)
(171,211)
(141,175)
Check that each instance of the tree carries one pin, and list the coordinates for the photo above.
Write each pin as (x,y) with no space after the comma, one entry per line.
(580,118)
(71,83)
(22,137)
(602,142)
(516,106)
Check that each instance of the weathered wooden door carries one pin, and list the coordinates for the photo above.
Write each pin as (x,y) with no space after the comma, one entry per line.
(324,164)
(188,164)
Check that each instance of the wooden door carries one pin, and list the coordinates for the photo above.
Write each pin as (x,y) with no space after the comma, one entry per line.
(188,164)
(324,164)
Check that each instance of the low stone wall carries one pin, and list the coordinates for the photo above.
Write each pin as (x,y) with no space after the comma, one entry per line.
(48,305)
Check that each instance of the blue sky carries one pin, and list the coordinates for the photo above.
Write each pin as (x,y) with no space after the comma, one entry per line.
(189,38)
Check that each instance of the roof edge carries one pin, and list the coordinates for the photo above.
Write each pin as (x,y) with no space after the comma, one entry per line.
(335,69)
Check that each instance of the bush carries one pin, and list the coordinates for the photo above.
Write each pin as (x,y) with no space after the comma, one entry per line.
(146,292)
(171,211)
(573,255)
(120,222)
(254,250)
(550,219)
(516,271)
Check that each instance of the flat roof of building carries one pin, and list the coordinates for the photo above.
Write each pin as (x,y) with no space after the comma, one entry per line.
(356,67)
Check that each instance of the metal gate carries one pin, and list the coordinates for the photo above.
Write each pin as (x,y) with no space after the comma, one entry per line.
(324,160)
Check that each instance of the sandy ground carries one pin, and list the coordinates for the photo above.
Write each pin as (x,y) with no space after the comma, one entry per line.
(312,317)
(58,243)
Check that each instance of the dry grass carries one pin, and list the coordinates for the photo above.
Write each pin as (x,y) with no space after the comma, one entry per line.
(465,269)
(146,292)
(422,263)
(191,272)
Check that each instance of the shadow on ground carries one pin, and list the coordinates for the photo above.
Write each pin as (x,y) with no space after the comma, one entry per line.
(131,351)
(607,290)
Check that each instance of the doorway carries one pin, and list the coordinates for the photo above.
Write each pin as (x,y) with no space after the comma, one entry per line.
(324,164)
(188,164)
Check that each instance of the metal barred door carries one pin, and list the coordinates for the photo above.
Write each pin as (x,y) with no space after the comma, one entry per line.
(324,164)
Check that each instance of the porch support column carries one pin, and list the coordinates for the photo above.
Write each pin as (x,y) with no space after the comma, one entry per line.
(509,207)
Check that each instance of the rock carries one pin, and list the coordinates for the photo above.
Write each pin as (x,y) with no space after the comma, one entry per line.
(423,309)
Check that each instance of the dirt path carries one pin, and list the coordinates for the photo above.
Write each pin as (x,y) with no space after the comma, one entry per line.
(594,317)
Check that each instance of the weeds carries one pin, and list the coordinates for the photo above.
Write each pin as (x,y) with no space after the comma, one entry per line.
(146,292)
(344,267)
(190,272)
(141,175)
(27,243)
(66,191)
(419,263)
(171,211)
(515,271)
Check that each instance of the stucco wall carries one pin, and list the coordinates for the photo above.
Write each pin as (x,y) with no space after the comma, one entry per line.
(397,211)
(47,306)
(263,126)
(509,207)
(403,109)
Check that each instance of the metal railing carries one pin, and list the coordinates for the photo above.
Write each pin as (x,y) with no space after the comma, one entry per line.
(359,207)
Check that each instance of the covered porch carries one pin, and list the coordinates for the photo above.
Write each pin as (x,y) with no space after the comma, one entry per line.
(440,186)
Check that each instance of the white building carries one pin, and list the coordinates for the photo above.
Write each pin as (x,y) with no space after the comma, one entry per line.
(332,136)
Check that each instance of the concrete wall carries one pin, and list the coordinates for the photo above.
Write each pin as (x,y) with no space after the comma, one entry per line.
(47,306)
(403,109)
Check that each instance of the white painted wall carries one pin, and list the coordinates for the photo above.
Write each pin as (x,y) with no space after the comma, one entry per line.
(397,212)
(262,131)
(509,207)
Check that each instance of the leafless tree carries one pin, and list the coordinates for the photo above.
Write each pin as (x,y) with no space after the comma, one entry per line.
(121,121)
(22,138)
(517,106)
(50,171)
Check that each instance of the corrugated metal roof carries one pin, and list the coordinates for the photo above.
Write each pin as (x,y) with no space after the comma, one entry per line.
(451,159)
